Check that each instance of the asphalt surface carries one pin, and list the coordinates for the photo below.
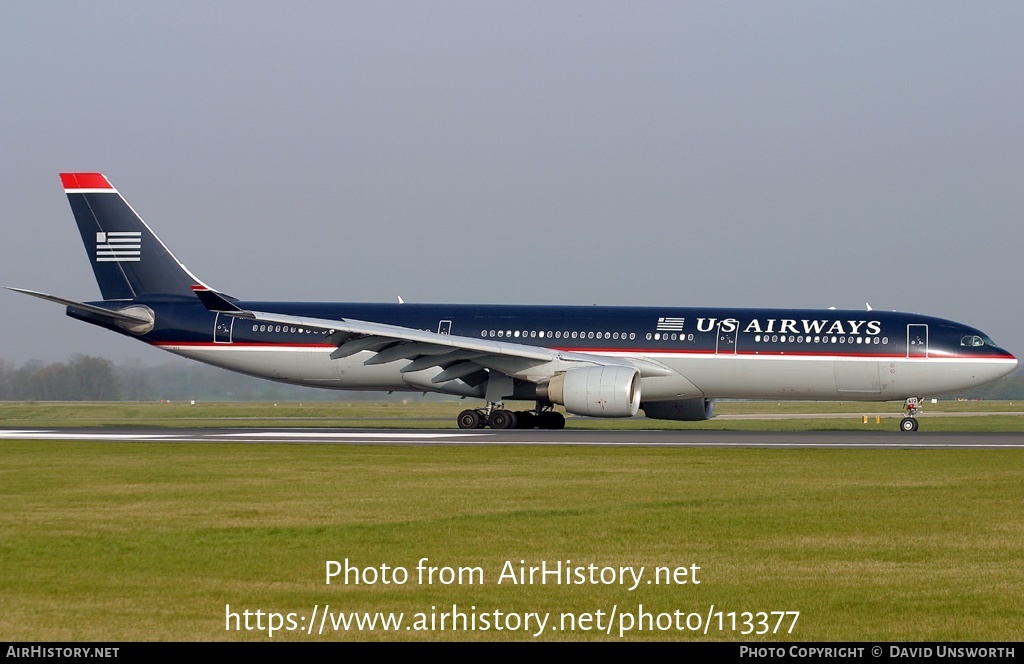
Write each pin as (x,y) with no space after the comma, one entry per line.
(721,439)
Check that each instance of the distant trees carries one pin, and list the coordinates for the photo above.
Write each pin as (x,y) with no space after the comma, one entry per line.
(6,370)
(88,378)
(81,378)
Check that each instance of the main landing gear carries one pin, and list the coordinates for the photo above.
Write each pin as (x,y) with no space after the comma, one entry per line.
(495,416)
(910,410)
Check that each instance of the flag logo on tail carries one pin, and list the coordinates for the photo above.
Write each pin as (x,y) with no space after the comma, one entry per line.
(119,247)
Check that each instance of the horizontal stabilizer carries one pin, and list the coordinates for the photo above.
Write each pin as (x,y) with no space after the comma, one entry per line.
(134,318)
(93,309)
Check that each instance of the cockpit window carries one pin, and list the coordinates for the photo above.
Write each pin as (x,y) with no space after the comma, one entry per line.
(975,341)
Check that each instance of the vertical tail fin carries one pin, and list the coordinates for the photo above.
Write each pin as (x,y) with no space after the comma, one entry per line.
(127,258)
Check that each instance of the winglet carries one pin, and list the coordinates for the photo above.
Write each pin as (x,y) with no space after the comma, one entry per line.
(86,181)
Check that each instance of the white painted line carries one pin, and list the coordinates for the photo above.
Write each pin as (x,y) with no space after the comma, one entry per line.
(823,446)
(56,435)
(343,434)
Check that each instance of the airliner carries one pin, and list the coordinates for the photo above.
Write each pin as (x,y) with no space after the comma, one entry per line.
(594,361)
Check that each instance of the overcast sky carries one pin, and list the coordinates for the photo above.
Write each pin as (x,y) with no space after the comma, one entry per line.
(791,154)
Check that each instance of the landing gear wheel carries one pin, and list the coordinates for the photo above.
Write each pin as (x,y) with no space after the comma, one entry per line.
(470,419)
(526,419)
(908,424)
(503,419)
(552,420)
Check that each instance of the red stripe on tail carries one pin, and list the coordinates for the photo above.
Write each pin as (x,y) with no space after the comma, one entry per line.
(84,181)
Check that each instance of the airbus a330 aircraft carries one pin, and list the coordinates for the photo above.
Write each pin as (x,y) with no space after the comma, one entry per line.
(671,362)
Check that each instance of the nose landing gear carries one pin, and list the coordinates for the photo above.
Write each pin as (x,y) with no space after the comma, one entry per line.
(910,410)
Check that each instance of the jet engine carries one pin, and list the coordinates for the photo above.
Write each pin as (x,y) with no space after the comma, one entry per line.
(683,410)
(605,391)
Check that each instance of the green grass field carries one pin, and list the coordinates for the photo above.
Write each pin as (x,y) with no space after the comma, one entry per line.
(134,541)
(433,414)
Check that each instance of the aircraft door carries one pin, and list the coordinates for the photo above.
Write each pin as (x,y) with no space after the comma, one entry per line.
(725,341)
(444,327)
(917,341)
(222,328)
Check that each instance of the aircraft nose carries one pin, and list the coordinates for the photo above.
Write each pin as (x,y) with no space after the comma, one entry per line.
(1007,366)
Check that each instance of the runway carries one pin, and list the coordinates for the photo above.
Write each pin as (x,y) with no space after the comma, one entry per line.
(581,438)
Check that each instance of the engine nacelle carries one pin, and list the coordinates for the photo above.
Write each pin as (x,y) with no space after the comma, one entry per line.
(147,319)
(681,410)
(595,391)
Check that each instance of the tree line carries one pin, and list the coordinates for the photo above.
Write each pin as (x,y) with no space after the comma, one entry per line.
(90,378)
(81,378)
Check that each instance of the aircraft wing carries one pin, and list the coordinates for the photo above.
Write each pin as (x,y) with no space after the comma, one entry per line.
(456,356)
(353,336)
